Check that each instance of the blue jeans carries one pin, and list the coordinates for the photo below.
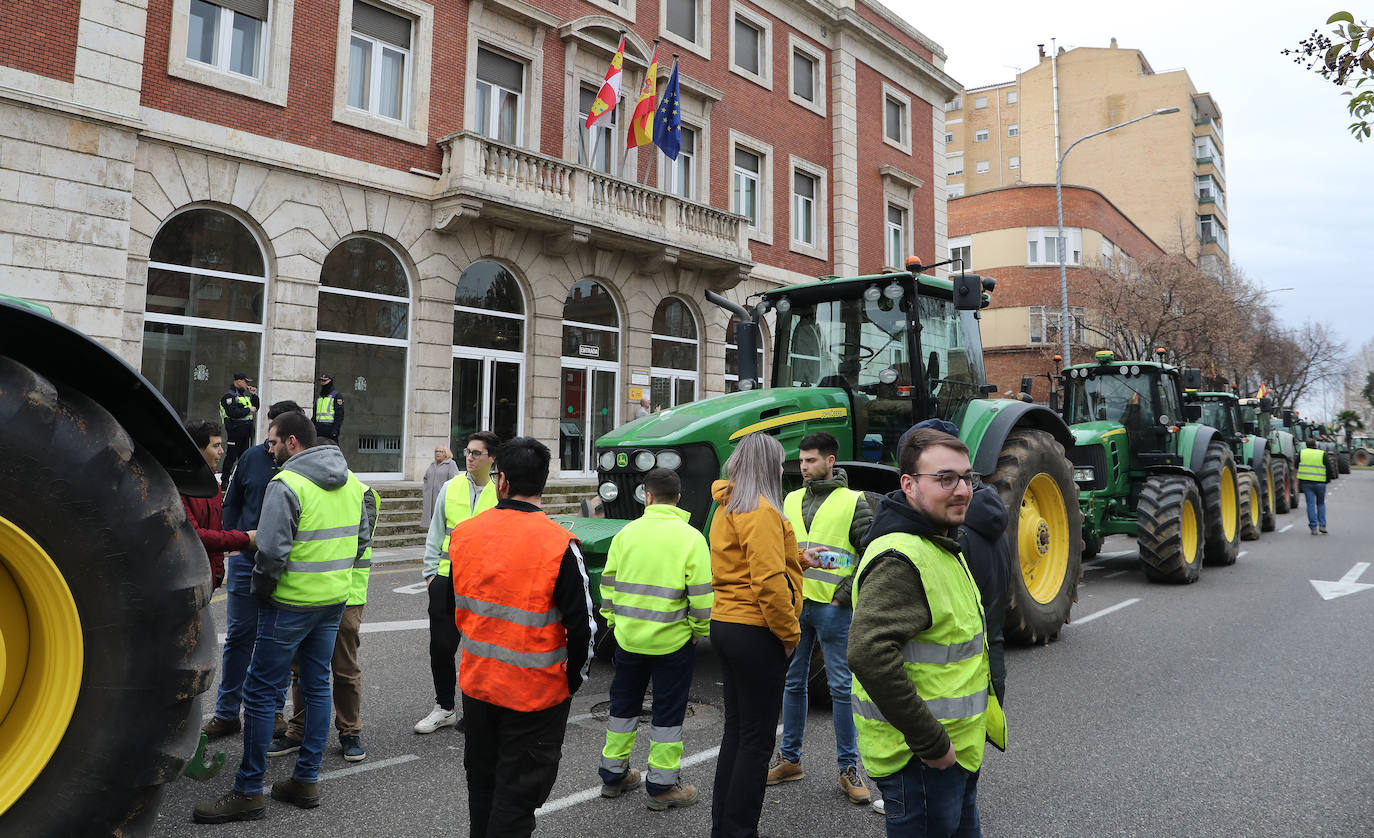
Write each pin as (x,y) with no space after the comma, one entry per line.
(282,635)
(830,625)
(241,619)
(925,802)
(1315,496)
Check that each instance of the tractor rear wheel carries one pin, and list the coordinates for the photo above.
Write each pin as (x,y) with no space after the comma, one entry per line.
(1360,457)
(1283,497)
(1169,524)
(1092,545)
(105,638)
(1343,463)
(1250,509)
(1045,531)
(1268,486)
(1221,519)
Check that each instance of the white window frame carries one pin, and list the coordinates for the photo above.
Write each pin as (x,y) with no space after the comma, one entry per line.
(702,45)
(763,78)
(1043,325)
(949,138)
(374,82)
(980,135)
(224,36)
(610,137)
(817,56)
(956,165)
(1011,97)
(901,230)
(820,209)
(955,104)
(274,56)
(980,102)
(954,190)
(669,171)
(627,10)
(1108,253)
(904,145)
(494,112)
(982,167)
(414,127)
(764,231)
(1014,130)
(1039,240)
(1014,161)
(957,243)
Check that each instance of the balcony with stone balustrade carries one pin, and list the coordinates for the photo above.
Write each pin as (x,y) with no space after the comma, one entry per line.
(574,204)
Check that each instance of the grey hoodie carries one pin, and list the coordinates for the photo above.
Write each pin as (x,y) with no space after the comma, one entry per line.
(323,465)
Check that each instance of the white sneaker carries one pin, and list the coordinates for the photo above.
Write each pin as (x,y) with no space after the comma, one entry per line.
(879,806)
(437,718)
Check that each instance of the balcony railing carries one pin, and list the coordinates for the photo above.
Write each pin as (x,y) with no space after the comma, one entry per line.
(523,183)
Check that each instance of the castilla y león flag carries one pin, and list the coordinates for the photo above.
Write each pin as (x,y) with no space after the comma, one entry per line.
(642,122)
(609,95)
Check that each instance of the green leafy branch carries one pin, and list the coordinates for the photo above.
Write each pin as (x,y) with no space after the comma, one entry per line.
(1345,56)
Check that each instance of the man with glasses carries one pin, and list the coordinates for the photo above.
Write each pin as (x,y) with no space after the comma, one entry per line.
(471,492)
(923,700)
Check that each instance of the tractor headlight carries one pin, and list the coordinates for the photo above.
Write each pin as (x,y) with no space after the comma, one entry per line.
(670,460)
(643,460)
(607,491)
(1084,474)
(639,493)
(746,384)
(607,460)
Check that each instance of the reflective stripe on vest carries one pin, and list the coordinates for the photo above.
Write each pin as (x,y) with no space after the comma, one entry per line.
(947,663)
(362,568)
(458,508)
(244,401)
(656,584)
(319,568)
(324,409)
(1312,465)
(514,644)
(829,530)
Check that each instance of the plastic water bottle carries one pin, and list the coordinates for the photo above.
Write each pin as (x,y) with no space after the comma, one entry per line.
(831,560)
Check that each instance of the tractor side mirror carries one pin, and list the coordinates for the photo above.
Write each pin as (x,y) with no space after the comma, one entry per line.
(1027,382)
(1192,411)
(1288,418)
(968,292)
(1192,378)
(1266,405)
(1054,400)
(1251,428)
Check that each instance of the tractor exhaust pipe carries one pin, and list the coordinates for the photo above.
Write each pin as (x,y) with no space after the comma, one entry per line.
(746,338)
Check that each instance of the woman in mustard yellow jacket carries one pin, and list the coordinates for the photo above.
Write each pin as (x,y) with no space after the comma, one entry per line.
(757,579)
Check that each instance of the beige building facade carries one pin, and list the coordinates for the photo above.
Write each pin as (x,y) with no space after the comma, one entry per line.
(1166,173)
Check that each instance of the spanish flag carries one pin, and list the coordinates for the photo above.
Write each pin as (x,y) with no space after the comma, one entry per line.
(609,95)
(642,122)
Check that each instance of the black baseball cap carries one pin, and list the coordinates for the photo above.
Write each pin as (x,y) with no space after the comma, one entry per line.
(242,376)
(324,376)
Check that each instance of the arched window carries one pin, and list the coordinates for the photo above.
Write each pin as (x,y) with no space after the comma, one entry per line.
(674,355)
(207,282)
(732,357)
(591,370)
(362,340)
(488,353)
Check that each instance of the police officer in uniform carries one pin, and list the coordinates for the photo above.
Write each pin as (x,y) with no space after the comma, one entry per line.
(237,410)
(329,410)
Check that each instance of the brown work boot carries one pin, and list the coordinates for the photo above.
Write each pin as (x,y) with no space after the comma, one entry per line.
(677,796)
(304,795)
(783,770)
(853,785)
(279,725)
(217,727)
(627,783)
(231,807)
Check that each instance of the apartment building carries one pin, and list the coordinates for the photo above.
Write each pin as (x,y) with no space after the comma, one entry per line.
(400,193)
(1011,233)
(1166,173)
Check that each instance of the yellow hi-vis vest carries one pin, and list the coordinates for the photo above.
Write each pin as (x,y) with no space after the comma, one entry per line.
(656,586)
(829,530)
(1312,465)
(362,568)
(947,664)
(324,409)
(458,508)
(319,569)
(244,401)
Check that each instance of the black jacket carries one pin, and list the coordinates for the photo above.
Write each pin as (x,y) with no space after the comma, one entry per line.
(984,542)
(330,429)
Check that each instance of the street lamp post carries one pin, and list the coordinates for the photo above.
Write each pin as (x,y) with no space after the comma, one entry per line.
(1065,320)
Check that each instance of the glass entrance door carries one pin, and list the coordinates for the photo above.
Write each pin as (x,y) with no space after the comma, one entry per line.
(588,411)
(670,389)
(486,397)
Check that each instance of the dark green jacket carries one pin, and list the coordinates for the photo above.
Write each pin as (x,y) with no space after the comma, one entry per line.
(816,493)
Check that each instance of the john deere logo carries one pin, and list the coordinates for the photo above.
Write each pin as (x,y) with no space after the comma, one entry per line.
(622,459)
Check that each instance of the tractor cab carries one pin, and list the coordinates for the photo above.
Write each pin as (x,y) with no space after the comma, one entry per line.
(1143,399)
(1221,410)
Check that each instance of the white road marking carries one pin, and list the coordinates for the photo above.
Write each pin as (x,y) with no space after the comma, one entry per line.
(1241,554)
(581,717)
(417,588)
(369,628)
(1287,528)
(1347,585)
(1104,612)
(371,766)
(595,791)
(1113,574)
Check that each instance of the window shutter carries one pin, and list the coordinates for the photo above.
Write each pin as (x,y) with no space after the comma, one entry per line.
(256,9)
(503,72)
(381,24)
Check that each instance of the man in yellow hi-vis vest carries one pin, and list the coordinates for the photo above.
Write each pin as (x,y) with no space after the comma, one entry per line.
(313,529)
(470,493)
(923,700)
(827,516)
(1312,479)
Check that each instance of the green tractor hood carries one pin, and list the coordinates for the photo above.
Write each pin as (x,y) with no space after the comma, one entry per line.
(721,420)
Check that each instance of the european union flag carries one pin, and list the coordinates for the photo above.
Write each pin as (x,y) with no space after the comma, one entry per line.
(668,119)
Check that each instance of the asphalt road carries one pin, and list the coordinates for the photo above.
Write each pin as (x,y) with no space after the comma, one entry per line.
(1237,706)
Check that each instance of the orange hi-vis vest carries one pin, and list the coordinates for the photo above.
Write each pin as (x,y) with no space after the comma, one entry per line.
(515,649)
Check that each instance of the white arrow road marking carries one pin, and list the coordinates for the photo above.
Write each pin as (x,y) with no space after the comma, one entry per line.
(1104,612)
(389,625)
(417,588)
(1287,528)
(1347,585)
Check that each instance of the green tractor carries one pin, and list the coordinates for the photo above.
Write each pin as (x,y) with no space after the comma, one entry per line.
(1362,450)
(1146,471)
(1223,411)
(865,358)
(1258,418)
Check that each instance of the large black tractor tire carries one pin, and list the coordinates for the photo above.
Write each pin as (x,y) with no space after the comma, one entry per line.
(1045,533)
(1269,487)
(1361,457)
(1092,545)
(1283,489)
(1221,506)
(105,558)
(1343,463)
(1251,511)
(1169,523)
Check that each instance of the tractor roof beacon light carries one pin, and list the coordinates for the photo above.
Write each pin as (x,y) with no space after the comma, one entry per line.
(913,265)
(1104,356)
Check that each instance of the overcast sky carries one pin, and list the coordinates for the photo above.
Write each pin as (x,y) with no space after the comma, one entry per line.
(1298,187)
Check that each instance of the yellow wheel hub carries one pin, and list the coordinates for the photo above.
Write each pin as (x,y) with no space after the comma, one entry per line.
(1042,536)
(1189,532)
(41,655)
(1269,483)
(1230,504)
(1255,510)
